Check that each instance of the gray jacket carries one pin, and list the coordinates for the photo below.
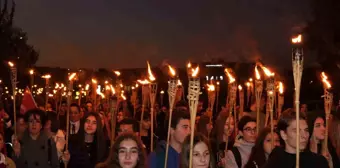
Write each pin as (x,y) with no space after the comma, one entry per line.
(40,153)
(244,148)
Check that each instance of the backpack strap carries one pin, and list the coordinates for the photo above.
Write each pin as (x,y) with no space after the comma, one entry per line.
(237,156)
(49,151)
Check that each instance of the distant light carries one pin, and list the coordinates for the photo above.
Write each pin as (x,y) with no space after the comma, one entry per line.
(214,65)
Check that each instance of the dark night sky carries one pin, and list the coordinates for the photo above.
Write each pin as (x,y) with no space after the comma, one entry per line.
(126,33)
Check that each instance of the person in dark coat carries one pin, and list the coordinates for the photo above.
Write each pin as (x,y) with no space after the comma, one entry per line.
(317,129)
(285,156)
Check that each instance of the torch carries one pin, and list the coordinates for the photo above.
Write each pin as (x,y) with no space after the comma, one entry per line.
(47,80)
(297,63)
(217,96)
(31,72)
(328,101)
(193,97)
(232,100)
(14,85)
(113,110)
(180,91)
(94,93)
(211,99)
(153,93)
(145,95)
(258,96)
(241,100)
(248,93)
(172,91)
(280,99)
(69,97)
(134,99)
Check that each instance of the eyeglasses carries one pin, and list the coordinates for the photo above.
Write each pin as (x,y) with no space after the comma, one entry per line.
(248,129)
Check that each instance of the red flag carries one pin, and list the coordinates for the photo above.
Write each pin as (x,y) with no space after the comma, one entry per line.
(28,102)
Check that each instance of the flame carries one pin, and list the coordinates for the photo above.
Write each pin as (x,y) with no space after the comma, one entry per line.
(248,84)
(179,83)
(123,96)
(257,73)
(87,87)
(162,92)
(240,87)
(56,85)
(99,92)
(133,88)
(94,81)
(11,64)
(47,76)
(172,71)
(137,85)
(270,92)
(189,65)
(80,85)
(117,73)
(231,78)
(250,79)
(151,77)
(325,80)
(72,76)
(297,39)
(267,71)
(113,90)
(121,85)
(107,87)
(281,88)
(218,83)
(194,71)
(211,87)
(106,82)
(143,82)
(31,72)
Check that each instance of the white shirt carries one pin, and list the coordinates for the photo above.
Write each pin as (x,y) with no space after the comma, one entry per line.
(76,125)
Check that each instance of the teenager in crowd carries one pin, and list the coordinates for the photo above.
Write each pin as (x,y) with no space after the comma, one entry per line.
(204,126)
(145,131)
(283,157)
(126,152)
(317,129)
(263,147)
(5,162)
(202,156)
(89,148)
(238,156)
(179,129)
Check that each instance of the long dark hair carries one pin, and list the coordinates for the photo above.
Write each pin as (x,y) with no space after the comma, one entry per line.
(257,153)
(113,158)
(99,139)
(185,154)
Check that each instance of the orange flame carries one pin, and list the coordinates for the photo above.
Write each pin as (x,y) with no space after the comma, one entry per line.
(327,84)
(72,76)
(117,73)
(211,87)
(107,87)
(11,64)
(87,87)
(143,82)
(94,81)
(267,71)
(248,84)
(106,82)
(179,83)
(151,77)
(231,78)
(250,79)
(172,71)
(123,96)
(136,85)
(240,87)
(56,85)
(47,76)
(257,73)
(31,71)
(281,88)
(113,90)
(195,71)
(297,39)
(189,65)
(162,92)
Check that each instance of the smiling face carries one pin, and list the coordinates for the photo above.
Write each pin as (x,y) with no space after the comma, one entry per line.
(201,156)
(90,125)
(128,153)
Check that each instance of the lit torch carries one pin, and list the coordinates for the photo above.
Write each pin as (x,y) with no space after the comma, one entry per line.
(69,97)
(31,72)
(47,85)
(258,96)
(94,92)
(241,100)
(211,99)
(328,101)
(153,93)
(14,85)
(280,99)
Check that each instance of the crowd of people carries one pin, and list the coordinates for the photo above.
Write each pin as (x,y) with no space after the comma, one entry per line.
(40,138)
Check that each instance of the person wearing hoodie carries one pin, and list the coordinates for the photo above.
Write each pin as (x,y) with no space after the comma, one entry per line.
(179,129)
(238,156)
(317,129)
(285,156)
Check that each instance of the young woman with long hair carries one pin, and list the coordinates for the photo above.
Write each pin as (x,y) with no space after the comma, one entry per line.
(262,149)
(126,152)
(202,156)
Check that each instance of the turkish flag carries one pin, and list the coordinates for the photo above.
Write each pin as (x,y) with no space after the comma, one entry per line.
(28,102)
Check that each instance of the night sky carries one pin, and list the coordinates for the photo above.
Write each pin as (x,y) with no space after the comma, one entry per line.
(126,33)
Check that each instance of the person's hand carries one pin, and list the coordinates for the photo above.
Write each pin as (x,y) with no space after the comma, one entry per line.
(16,146)
(66,157)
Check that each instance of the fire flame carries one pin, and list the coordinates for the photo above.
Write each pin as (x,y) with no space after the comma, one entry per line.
(47,76)
(72,76)
(250,79)
(94,81)
(117,73)
(99,92)
(189,65)
(231,78)
(56,85)
(151,77)
(195,71)
(123,96)
(172,71)
(211,87)
(267,71)
(179,83)
(162,92)
(87,87)
(136,85)
(257,73)
(297,39)
(325,80)
(240,87)
(11,64)
(113,90)
(281,88)
(31,72)
(107,87)
(143,82)
(248,84)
